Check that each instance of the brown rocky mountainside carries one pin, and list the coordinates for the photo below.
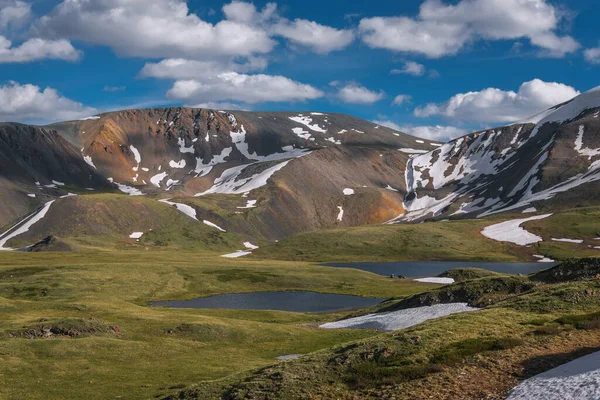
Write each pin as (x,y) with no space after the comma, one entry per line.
(267,175)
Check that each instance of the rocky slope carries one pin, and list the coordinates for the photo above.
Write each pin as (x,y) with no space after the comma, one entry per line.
(553,155)
(267,175)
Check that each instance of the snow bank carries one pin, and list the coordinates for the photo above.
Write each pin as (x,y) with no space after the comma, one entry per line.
(249,204)
(23,226)
(237,254)
(213,225)
(307,121)
(413,151)
(511,231)
(129,190)
(136,154)
(177,164)
(578,241)
(158,178)
(250,246)
(401,319)
(579,379)
(289,356)
(340,214)
(88,160)
(183,208)
(543,259)
(230,182)
(443,281)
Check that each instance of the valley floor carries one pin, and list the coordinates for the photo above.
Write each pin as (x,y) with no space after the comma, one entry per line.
(77,325)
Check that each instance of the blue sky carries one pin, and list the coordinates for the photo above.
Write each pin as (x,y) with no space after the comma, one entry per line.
(435,68)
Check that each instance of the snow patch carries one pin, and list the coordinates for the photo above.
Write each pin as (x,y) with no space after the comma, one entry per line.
(348,192)
(230,182)
(213,225)
(511,231)
(412,151)
(307,121)
(136,235)
(443,281)
(529,210)
(89,161)
(340,216)
(24,225)
(237,254)
(249,204)
(578,241)
(177,164)
(158,178)
(579,379)
(183,208)
(394,320)
(250,246)
(129,190)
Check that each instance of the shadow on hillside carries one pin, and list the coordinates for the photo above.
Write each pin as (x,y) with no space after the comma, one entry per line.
(536,365)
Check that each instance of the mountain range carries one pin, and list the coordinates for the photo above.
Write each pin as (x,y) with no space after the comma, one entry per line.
(259,177)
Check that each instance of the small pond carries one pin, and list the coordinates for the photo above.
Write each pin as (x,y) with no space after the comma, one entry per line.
(418,269)
(279,301)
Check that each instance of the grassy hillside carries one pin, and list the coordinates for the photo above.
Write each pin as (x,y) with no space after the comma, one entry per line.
(479,354)
(107,343)
(450,240)
(444,240)
(105,221)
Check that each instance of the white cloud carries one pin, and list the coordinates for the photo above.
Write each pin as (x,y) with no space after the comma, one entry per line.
(437,133)
(179,68)
(13,13)
(401,98)
(221,106)
(113,89)
(442,29)
(357,94)
(592,55)
(242,88)
(410,68)
(161,28)
(320,38)
(30,103)
(493,105)
(387,123)
(37,49)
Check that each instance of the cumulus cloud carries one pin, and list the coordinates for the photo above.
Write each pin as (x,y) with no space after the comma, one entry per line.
(37,49)
(389,124)
(179,68)
(441,29)
(222,105)
(13,13)
(31,103)
(161,28)
(401,99)
(112,89)
(167,29)
(320,38)
(410,68)
(592,55)
(438,132)
(355,93)
(234,86)
(493,105)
